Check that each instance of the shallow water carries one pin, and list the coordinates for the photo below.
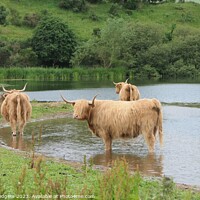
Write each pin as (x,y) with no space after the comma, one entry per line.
(71,140)
(169,93)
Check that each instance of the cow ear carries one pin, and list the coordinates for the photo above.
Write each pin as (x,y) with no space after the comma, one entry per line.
(5,95)
(92,104)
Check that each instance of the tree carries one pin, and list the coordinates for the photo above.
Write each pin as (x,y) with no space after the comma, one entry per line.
(105,48)
(53,42)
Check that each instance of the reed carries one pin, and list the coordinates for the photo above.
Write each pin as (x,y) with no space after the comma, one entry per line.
(64,74)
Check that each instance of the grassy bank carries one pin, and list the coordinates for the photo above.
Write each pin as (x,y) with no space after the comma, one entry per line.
(47,110)
(43,110)
(185,14)
(27,176)
(39,73)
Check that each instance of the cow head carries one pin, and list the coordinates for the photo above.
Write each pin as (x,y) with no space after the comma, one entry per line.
(14,90)
(118,86)
(81,108)
(125,92)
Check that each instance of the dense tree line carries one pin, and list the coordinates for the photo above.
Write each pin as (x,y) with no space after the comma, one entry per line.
(149,50)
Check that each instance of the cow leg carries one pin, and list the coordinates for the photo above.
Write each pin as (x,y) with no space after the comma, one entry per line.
(13,125)
(150,140)
(108,143)
(21,127)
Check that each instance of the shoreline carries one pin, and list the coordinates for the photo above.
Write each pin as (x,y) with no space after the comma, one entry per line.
(101,168)
(67,113)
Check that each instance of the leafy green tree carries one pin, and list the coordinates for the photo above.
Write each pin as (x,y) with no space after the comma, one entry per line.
(106,48)
(53,42)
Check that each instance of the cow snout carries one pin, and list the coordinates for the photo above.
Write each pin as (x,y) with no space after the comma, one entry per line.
(75,116)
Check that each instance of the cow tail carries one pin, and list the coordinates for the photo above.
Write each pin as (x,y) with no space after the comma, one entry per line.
(18,109)
(131,93)
(159,121)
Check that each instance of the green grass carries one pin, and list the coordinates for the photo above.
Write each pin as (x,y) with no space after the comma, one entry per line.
(50,108)
(27,175)
(78,73)
(185,14)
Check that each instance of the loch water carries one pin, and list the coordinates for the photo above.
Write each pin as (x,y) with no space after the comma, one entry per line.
(71,140)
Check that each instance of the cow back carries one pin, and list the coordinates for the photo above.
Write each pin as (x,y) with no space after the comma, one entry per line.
(16,104)
(122,118)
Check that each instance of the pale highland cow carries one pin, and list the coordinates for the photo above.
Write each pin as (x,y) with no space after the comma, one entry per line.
(126,91)
(109,119)
(15,108)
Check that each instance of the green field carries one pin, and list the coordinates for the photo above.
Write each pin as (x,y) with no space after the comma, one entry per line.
(185,14)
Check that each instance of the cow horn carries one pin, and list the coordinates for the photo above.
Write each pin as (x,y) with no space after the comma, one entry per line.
(114,83)
(65,100)
(23,88)
(126,80)
(92,104)
(8,91)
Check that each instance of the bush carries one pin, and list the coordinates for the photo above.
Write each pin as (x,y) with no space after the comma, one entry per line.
(15,17)
(31,20)
(94,1)
(114,10)
(148,72)
(132,4)
(24,58)
(94,17)
(3,15)
(53,42)
(4,53)
(74,5)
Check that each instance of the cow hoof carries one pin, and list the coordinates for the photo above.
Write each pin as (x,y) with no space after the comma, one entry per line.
(14,134)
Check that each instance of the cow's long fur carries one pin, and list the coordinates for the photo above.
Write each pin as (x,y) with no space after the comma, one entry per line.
(16,109)
(127,92)
(109,119)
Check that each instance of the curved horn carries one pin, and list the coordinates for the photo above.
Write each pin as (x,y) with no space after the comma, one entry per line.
(8,91)
(23,88)
(114,83)
(92,104)
(126,80)
(65,100)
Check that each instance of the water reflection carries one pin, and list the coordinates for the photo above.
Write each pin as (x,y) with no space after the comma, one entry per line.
(19,142)
(149,165)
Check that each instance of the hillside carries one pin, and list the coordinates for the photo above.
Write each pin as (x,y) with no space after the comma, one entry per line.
(181,14)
